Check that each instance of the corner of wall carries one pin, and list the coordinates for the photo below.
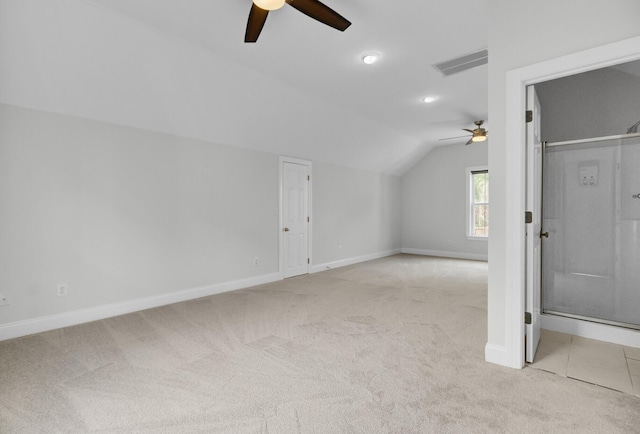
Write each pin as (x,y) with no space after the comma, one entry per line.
(355,260)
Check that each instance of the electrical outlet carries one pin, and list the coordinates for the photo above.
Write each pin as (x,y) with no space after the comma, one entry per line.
(255,261)
(62,290)
(4,300)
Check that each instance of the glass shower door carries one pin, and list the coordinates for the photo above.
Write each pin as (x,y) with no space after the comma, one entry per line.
(591,209)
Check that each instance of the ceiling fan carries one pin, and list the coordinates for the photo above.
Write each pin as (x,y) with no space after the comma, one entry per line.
(478,134)
(313,8)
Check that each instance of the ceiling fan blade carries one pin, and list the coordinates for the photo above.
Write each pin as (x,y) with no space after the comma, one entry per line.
(466,129)
(321,12)
(257,17)
(451,138)
(469,142)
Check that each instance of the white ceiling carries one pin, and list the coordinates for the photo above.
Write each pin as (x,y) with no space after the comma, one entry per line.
(181,67)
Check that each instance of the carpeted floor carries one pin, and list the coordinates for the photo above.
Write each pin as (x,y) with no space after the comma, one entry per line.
(389,346)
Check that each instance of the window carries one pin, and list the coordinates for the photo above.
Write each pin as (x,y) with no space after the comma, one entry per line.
(478,202)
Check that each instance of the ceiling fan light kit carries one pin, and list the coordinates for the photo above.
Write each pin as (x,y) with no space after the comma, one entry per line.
(478,134)
(269,5)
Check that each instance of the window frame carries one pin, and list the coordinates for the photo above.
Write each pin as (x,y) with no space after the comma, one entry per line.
(470,171)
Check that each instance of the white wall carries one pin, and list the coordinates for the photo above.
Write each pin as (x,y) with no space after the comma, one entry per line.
(434,203)
(356,214)
(121,215)
(525,33)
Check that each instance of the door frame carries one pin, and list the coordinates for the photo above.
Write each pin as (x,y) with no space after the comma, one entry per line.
(281,162)
(517,81)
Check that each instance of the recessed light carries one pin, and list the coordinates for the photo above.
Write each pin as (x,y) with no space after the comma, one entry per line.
(429,99)
(370,58)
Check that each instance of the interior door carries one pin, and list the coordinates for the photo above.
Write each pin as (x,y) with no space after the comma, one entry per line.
(534,229)
(295,218)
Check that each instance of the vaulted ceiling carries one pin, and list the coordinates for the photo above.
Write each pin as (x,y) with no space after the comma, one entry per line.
(181,67)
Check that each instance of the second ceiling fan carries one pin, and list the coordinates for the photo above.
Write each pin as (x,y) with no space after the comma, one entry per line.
(478,134)
(312,8)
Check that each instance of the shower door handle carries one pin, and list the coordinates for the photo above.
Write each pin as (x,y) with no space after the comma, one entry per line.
(544,234)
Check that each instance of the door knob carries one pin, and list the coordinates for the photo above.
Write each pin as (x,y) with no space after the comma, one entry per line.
(286,229)
(544,234)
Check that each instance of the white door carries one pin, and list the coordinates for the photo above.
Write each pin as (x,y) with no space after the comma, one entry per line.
(295,218)
(533,229)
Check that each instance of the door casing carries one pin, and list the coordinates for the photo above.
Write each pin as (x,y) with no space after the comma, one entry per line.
(517,80)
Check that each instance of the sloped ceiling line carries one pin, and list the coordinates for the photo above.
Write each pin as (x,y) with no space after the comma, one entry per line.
(182,68)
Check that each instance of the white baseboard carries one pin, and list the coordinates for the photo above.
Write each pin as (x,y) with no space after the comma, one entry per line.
(591,330)
(52,322)
(447,254)
(499,355)
(354,260)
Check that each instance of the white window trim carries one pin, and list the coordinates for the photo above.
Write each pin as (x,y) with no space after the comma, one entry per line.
(469,223)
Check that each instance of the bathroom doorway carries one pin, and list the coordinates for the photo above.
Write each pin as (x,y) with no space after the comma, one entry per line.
(591,202)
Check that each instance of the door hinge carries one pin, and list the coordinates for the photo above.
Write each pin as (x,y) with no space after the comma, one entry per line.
(308,261)
(308,219)
(528,217)
(529,116)
(308,178)
(527,317)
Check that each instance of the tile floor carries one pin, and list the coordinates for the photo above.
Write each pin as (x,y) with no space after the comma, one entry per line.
(609,365)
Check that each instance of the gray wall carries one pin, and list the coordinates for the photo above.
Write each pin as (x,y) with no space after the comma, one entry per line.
(434,202)
(121,214)
(597,103)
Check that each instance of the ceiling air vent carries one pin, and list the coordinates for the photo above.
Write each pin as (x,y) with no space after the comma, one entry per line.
(463,63)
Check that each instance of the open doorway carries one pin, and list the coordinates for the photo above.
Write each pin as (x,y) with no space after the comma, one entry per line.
(517,81)
(591,211)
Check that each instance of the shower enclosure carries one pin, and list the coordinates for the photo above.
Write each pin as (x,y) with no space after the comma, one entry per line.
(591,211)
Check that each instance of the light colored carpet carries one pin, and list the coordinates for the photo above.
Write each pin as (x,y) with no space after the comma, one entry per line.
(388,346)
